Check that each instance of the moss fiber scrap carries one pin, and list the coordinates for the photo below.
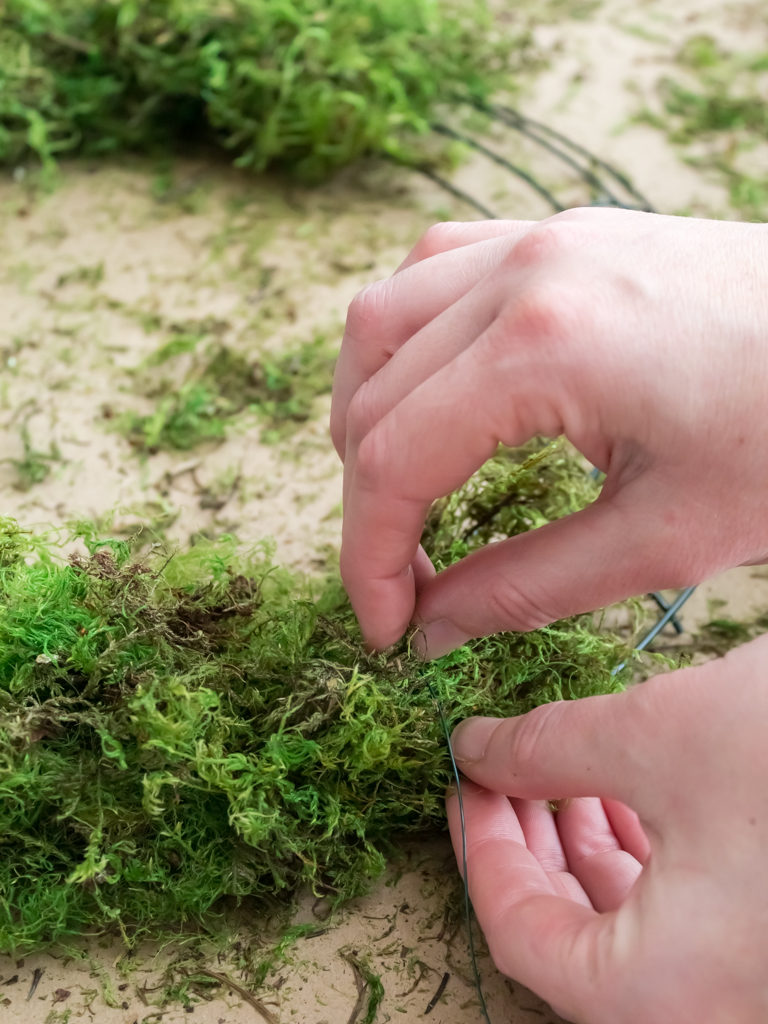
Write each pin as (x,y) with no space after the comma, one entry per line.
(304,84)
(717,111)
(223,383)
(174,730)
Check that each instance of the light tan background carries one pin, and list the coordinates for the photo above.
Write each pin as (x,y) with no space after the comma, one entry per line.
(272,264)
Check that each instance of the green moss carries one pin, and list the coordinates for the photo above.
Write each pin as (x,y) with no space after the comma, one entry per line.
(705,114)
(369,985)
(173,731)
(306,84)
(280,390)
(188,417)
(91,276)
(721,635)
(518,490)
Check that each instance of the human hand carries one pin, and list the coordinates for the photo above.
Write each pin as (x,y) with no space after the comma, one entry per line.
(643,339)
(611,927)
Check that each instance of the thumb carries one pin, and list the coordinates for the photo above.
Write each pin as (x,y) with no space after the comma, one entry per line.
(612,550)
(623,746)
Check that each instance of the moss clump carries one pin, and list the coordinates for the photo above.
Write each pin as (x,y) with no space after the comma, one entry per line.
(306,84)
(175,731)
(280,390)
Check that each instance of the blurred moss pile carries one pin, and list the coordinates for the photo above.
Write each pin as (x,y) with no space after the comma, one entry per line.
(179,728)
(308,85)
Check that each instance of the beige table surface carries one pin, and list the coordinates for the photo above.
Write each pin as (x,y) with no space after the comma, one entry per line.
(272,264)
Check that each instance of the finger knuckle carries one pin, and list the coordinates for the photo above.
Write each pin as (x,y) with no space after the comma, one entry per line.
(550,240)
(373,461)
(361,414)
(510,608)
(545,312)
(434,240)
(531,743)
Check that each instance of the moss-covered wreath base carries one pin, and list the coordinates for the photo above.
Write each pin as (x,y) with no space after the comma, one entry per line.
(181,727)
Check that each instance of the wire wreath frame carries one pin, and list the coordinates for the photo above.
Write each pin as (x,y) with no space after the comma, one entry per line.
(606,183)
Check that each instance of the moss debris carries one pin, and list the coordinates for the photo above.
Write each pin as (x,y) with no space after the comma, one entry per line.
(715,110)
(280,390)
(34,466)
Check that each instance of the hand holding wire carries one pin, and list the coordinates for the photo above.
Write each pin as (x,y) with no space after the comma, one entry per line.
(617,915)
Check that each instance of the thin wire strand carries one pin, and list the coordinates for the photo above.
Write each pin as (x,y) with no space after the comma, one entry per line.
(443,129)
(527,126)
(455,191)
(662,602)
(467,900)
(666,618)
(588,176)
(519,124)
(534,130)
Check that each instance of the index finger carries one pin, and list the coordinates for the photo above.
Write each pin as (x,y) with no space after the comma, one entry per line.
(392,483)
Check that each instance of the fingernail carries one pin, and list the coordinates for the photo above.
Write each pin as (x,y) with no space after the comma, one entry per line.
(451,790)
(470,738)
(434,639)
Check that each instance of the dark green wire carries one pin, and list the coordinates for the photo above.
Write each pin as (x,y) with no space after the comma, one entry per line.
(467,900)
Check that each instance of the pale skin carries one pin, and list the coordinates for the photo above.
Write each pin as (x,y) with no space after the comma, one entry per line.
(643,339)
